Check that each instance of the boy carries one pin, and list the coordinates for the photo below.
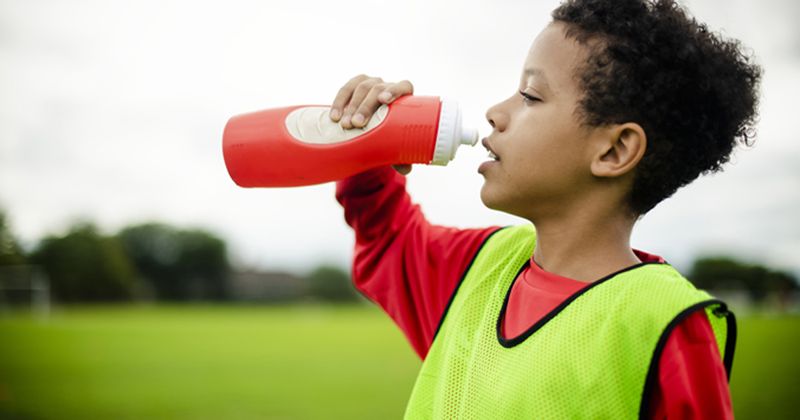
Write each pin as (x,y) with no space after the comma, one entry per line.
(620,103)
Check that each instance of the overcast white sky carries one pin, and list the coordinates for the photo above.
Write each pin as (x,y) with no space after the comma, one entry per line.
(113,111)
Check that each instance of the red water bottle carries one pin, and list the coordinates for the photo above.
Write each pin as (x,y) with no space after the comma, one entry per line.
(301,145)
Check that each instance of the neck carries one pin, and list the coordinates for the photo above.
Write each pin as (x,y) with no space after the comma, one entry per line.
(584,245)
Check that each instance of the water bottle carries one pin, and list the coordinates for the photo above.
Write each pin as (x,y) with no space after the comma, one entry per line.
(300,145)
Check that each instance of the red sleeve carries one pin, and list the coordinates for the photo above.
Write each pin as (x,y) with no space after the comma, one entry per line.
(692,383)
(401,262)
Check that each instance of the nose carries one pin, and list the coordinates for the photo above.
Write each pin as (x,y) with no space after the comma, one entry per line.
(496,117)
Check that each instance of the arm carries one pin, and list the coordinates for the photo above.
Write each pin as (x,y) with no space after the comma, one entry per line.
(401,262)
(692,382)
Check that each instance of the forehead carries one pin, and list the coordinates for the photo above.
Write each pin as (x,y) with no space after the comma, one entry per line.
(554,58)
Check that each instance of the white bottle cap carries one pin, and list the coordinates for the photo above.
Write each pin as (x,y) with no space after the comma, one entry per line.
(451,134)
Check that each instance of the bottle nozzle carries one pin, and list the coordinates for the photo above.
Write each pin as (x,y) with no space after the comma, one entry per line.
(451,133)
(469,136)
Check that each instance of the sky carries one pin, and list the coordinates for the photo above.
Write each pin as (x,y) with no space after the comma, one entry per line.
(113,111)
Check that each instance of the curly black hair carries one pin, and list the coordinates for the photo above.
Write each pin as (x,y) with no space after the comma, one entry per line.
(693,92)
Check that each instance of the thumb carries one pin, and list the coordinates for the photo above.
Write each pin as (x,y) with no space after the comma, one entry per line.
(403,169)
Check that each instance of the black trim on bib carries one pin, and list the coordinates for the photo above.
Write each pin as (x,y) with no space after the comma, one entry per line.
(730,345)
(730,337)
(461,280)
(508,343)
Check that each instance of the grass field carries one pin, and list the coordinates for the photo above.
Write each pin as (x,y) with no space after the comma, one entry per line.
(239,362)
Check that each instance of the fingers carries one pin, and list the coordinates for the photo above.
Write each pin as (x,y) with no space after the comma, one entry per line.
(358,99)
(365,100)
(345,103)
(381,93)
(343,96)
(396,90)
(368,105)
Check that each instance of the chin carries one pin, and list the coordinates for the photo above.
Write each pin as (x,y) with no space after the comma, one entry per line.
(489,199)
(495,200)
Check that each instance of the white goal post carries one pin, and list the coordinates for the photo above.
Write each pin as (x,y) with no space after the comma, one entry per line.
(24,285)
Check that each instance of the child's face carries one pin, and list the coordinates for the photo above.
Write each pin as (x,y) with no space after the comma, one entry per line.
(544,152)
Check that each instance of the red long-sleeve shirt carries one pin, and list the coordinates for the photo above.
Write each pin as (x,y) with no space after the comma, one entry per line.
(411,268)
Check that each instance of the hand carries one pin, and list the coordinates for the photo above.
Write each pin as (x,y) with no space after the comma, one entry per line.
(359,98)
(403,169)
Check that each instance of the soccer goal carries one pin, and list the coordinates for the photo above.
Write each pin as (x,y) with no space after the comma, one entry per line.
(24,286)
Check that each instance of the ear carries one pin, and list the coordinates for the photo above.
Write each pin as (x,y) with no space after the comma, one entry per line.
(620,151)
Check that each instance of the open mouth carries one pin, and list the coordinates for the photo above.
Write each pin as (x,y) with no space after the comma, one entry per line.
(485,143)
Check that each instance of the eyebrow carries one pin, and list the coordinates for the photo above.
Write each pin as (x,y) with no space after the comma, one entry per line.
(539,74)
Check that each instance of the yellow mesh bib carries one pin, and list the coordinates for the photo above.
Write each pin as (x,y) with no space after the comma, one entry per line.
(595,356)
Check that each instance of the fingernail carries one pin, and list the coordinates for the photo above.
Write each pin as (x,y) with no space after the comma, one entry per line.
(358,119)
(335,114)
(345,120)
(385,96)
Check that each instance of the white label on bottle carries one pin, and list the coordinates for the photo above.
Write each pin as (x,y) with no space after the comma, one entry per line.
(314,125)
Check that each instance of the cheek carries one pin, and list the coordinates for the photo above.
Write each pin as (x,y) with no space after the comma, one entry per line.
(539,151)
(551,158)
(556,141)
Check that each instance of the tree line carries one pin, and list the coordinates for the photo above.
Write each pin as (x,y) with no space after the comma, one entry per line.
(166,263)
(153,261)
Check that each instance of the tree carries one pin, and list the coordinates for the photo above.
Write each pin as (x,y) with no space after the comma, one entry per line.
(726,273)
(84,265)
(179,264)
(203,263)
(331,284)
(10,251)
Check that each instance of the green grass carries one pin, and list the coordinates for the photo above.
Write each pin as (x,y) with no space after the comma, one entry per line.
(765,381)
(240,362)
(205,363)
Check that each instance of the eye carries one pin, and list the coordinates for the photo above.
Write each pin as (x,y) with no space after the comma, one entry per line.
(529,98)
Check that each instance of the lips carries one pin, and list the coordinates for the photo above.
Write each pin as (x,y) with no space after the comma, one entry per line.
(492,154)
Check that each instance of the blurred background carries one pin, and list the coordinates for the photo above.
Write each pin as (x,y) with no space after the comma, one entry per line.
(137,281)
